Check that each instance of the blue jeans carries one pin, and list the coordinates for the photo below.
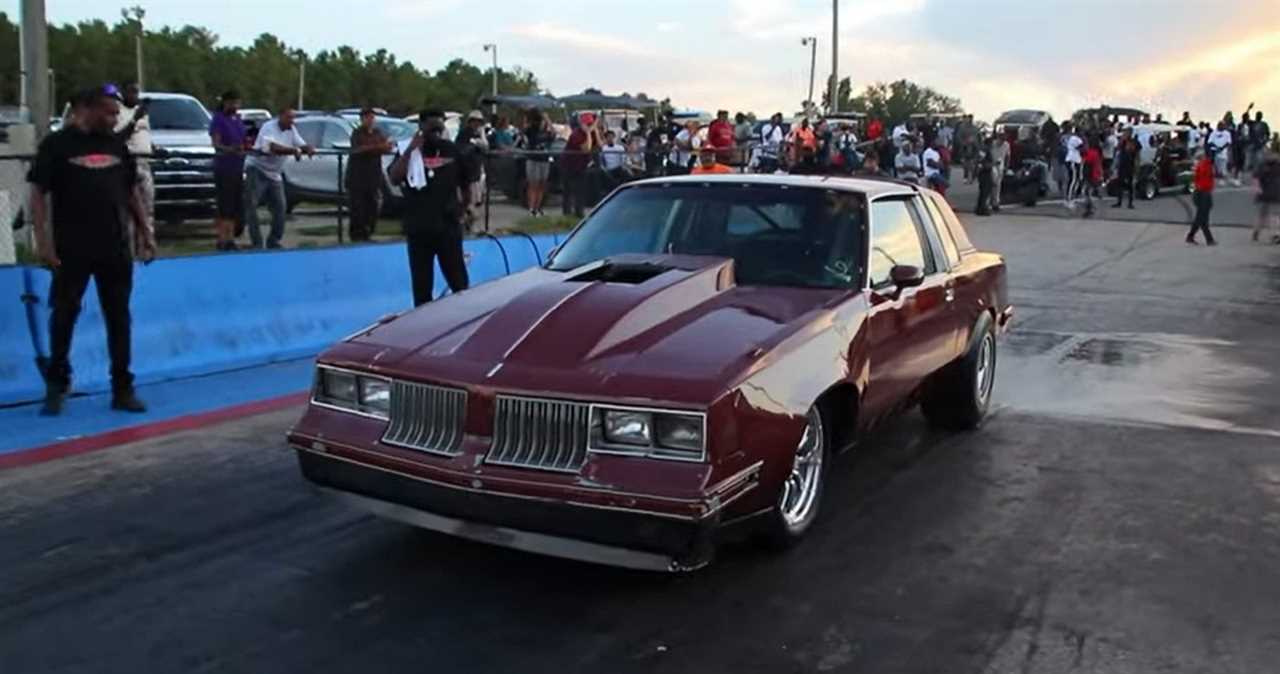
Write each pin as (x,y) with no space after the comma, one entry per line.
(258,186)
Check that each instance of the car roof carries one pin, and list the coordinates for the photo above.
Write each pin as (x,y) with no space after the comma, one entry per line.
(872,187)
(168,96)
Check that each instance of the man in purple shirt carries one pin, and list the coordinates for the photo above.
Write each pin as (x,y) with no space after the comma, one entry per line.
(227,132)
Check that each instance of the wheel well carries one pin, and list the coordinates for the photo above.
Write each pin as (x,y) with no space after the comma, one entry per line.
(840,405)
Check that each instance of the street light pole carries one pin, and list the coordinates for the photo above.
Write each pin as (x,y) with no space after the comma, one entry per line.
(812,43)
(834,103)
(302,77)
(135,15)
(35,60)
(493,109)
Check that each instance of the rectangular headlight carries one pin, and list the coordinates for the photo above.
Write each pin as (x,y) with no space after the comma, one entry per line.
(656,434)
(337,387)
(678,431)
(628,428)
(366,394)
(375,395)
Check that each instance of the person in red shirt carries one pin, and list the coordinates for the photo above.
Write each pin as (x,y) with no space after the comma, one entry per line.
(574,161)
(1092,161)
(874,129)
(1203,196)
(720,134)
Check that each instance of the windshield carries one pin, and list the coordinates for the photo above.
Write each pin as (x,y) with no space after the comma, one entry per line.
(396,129)
(777,235)
(177,114)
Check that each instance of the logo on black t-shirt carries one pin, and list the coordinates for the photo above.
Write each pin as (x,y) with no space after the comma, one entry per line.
(95,161)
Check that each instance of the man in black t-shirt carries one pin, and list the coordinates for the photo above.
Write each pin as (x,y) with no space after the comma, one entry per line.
(428,172)
(88,175)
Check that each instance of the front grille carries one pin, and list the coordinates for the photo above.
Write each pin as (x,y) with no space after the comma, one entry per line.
(542,434)
(426,418)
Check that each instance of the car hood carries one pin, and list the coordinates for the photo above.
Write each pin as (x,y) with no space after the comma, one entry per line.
(673,328)
(177,139)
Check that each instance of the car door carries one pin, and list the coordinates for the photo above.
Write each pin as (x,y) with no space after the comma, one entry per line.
(318,175)
(909,334)
(966,287)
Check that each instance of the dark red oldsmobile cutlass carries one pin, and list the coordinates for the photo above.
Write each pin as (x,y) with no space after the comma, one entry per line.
(691,358)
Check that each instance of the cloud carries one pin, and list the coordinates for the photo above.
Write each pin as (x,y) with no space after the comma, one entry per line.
(581,40)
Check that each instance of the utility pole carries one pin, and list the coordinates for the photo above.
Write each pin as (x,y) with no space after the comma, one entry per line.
(134,15)
(302,76)
(35,59)
(834,103)
(812,44)
(493,109)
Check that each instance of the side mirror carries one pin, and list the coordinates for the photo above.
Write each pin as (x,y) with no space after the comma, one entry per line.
(906,276)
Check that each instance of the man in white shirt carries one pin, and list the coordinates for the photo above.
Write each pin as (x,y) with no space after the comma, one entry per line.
(1194,141)
(932,160)
(900,133)
(771,136)
(263,174)
(684,148)
(1075,174)
(1000,152)
(134,128)
(613,158)
(1219,143)
(907,163)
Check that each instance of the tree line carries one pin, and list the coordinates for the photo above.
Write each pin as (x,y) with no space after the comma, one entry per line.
(190,60)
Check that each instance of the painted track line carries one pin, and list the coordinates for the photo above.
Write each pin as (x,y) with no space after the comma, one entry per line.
(91,443)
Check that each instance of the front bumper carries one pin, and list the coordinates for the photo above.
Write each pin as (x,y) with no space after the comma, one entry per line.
(616,537)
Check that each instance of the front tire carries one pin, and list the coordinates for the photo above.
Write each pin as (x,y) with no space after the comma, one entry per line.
(801,494)
(960,394)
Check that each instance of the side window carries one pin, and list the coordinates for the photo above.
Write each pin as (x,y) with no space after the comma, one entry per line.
(310,132)
(895,240)
(930,225)
(944,231)
(335,133)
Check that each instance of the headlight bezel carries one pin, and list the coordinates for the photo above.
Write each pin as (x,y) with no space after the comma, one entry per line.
(599,443)
(323,396)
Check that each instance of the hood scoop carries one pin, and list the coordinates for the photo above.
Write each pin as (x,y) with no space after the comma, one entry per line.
(628,273)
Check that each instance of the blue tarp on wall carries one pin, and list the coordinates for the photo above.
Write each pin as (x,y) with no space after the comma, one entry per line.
(212,313)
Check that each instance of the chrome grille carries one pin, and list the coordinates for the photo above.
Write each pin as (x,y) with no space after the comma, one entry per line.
(542,434)
(426,418)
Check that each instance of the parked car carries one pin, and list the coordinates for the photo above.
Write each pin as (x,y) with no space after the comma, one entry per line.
(255,116)
(317,178)
(691,358)
(183,161)
(1021,125)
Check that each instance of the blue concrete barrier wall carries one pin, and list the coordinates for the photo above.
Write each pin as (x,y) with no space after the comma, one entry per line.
(19,377)
(204,314)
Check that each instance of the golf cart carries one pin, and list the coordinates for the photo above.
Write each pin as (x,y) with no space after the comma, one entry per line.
(1165,162)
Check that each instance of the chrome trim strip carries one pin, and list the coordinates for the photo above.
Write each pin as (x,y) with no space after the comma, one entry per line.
(517,539)
(733,480)
(489,492)
(653,451)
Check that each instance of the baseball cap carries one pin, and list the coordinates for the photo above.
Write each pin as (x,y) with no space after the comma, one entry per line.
(475,115)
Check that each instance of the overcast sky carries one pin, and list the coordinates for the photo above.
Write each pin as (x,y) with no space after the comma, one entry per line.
(1167,55)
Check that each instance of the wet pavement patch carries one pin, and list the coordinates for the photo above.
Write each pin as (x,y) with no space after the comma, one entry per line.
(1114,352)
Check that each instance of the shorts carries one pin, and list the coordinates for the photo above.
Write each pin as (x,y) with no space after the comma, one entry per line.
(229,189)
(537,171)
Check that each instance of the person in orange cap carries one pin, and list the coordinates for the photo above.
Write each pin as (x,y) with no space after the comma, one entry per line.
(709,161)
